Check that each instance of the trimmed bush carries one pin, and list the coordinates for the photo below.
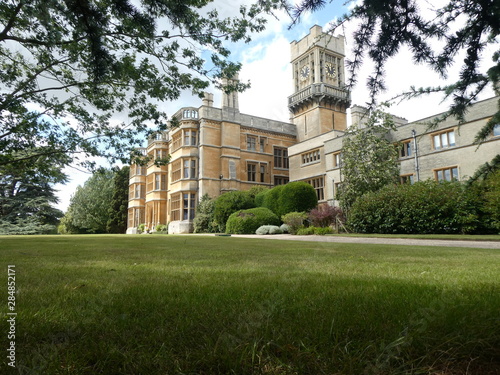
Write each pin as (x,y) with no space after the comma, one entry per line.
(296,196)
(270,199)
(256,190)
(294,221)
(228,203)
(248,221)
(425,207)
(293,197)
(268,229)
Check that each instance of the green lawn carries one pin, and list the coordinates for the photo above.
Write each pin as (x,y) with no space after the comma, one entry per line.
(224,305)
(456,237)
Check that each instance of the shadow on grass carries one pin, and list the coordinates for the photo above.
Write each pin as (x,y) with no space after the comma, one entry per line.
(255,322)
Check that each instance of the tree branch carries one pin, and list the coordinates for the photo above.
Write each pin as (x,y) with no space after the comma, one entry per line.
(12,20)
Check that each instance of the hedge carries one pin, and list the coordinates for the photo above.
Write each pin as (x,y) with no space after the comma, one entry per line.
(228,203)
(248,221)
(425,207)
(294,196)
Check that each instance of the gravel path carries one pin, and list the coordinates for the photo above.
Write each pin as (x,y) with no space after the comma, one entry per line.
(382,241)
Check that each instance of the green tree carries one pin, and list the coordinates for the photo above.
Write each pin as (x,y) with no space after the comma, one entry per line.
(118,211)
(68,67)
(369,160)
(89,209)
(461,27)
(27,196)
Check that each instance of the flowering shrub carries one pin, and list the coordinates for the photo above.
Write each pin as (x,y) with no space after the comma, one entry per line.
(325,216)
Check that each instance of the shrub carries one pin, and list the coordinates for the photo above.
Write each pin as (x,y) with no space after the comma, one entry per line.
(323,230)
(492,200)
(425,207)
(227,204)
(161,228)
(294,221)
(259,198)
(314,230)
(270,199)
(296,196)
(248,221)
(305,231)
(256,190)
(204,221)
(268,229)
(141,228)
(275,230)
(285,228)
(325,215)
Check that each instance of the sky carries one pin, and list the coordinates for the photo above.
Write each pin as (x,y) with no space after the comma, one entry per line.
(266,64)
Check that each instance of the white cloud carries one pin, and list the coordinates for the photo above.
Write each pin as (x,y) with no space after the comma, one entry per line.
(270,80)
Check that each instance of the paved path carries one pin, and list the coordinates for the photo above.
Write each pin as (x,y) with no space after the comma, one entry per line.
(383,241)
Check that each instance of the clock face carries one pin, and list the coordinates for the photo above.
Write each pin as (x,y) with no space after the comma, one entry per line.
(330,70)
(304,73)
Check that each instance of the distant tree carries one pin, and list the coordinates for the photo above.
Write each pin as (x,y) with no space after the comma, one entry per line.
(369,160)
(118,212)
(90,206)
(27,196)
(461,26)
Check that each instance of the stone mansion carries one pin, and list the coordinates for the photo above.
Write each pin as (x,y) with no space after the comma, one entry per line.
(215,150)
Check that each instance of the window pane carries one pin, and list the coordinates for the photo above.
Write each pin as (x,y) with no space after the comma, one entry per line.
(439,175)
(251,143)
(447,174)
(408,148)
(496,130)
(454,172)
(444,140)
(186,168)
(193,169)
(451,138)
(437,142)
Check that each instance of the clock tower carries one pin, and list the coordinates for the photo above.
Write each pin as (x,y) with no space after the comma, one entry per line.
(320,99)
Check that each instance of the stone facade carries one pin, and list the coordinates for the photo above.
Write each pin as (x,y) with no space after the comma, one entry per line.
(215,150)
